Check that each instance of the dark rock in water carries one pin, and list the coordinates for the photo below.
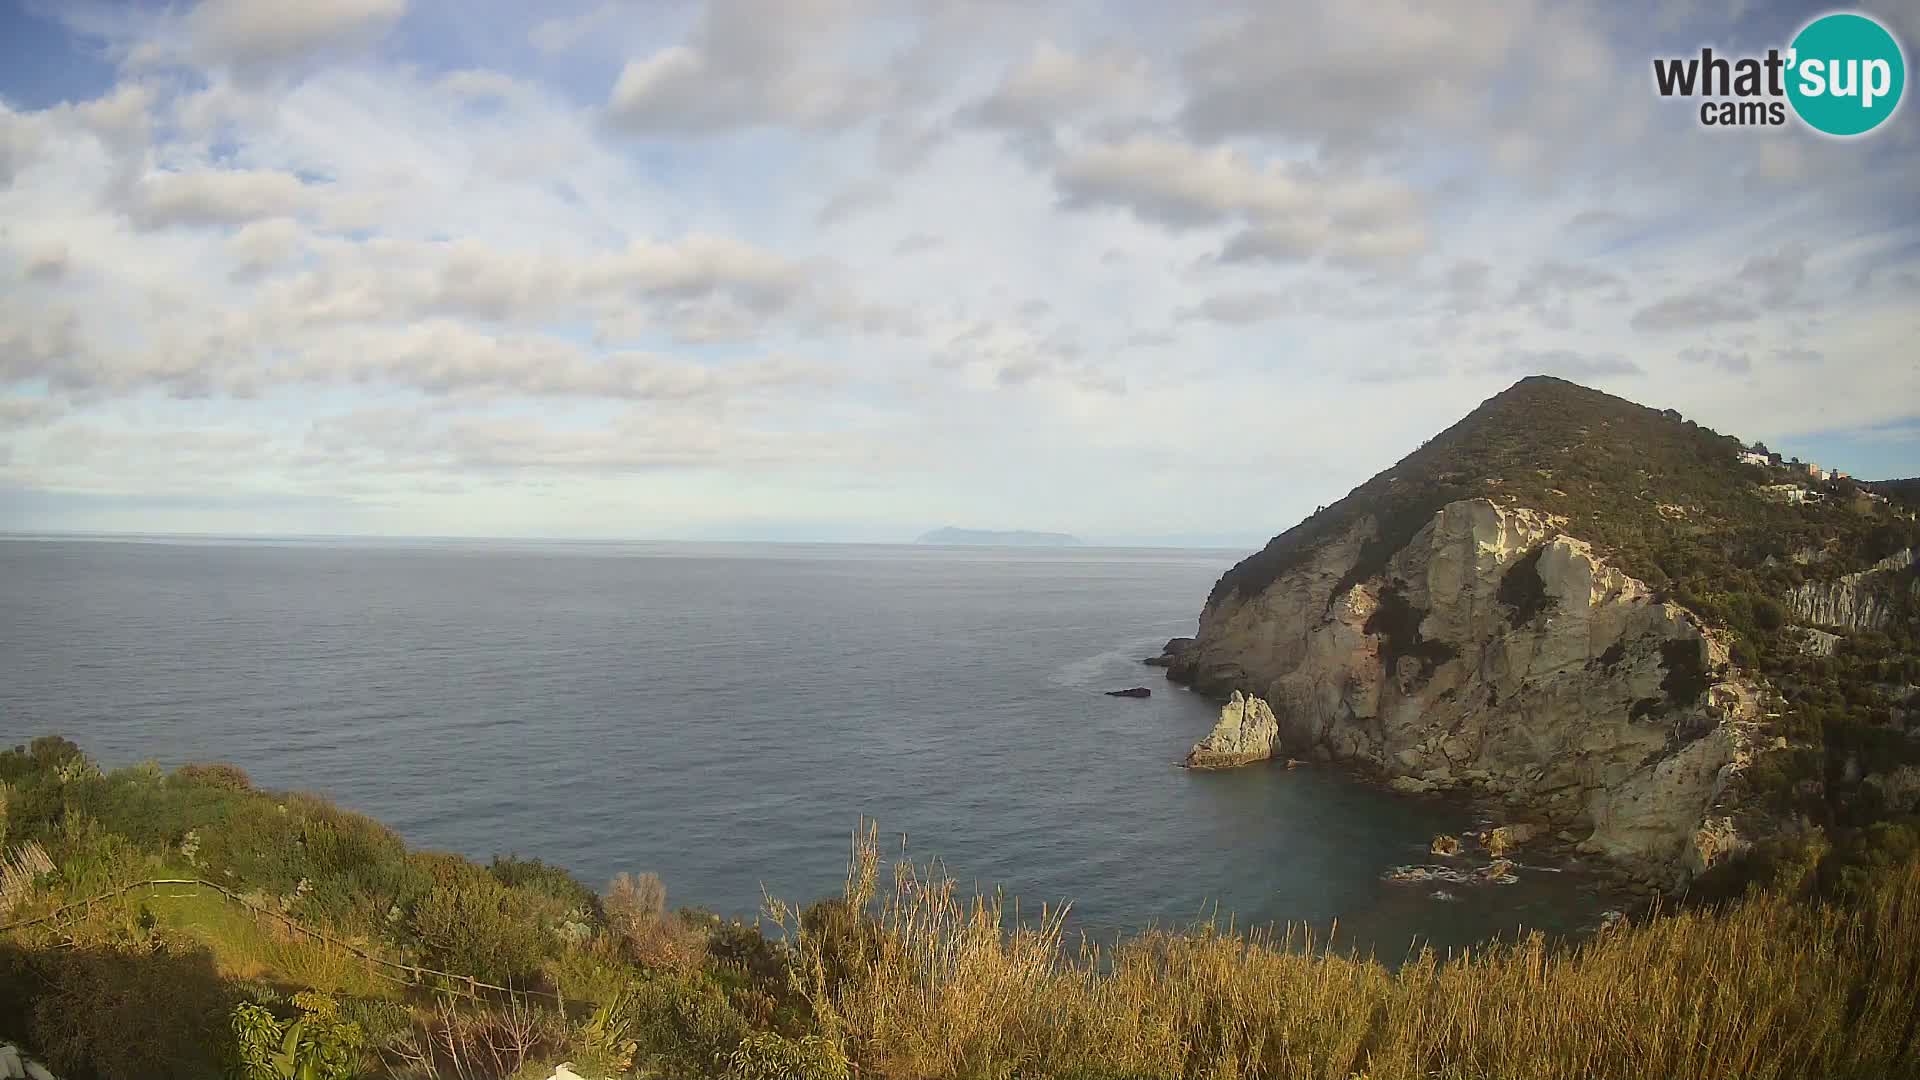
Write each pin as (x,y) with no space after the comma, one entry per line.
(1137,691)
(1171,654)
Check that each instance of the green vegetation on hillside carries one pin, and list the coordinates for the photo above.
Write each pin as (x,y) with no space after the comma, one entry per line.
(1663,498)
(1670,502)
(907,981)
(1905,492)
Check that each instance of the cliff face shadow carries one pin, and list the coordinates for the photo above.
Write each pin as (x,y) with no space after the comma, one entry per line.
(107,1013)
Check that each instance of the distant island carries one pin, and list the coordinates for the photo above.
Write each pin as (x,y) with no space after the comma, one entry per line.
(998,538)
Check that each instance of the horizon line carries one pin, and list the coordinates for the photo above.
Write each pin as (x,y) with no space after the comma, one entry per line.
(117,534)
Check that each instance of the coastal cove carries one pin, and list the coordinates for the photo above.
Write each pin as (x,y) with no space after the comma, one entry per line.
(723,715)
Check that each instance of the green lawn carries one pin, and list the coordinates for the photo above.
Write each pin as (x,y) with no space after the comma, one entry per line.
(249,947)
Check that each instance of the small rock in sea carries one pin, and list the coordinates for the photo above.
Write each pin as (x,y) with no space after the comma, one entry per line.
(1445,845)
(1443,895)
(1507,838)
(1420,875)
(1174,649)
(1137,691)
(1294,763)
(1499,872)
(1245,734)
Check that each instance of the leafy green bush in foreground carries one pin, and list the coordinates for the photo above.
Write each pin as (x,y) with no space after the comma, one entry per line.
(1818,975)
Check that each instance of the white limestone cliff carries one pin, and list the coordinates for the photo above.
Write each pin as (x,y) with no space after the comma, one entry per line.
(1245,734)
(1862,601)
(1600,709)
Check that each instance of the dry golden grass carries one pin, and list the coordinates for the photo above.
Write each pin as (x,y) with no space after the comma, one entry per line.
(1773,987)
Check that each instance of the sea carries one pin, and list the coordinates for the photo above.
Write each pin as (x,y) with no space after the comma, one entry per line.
(728,715)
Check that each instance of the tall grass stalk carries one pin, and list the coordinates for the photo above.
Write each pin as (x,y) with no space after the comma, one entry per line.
(928,984)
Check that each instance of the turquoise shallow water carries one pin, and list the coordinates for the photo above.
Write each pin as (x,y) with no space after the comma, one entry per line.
(724,715)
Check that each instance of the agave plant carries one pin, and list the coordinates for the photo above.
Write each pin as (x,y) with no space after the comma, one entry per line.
(316,1046)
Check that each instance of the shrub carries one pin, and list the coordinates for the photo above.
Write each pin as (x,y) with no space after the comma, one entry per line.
(257,843)
(93,861)
(604,1042)
(547,880)
(481,928)
(1687,677)
(491,1043)
(636,912)
(683,1026)
(1779,778)
(844,939)
(764,1055)
(319,1044)
(340,843)
(217,775)
(746,949)
(593,974)
(1868,856)
(150,1013)
(50,753)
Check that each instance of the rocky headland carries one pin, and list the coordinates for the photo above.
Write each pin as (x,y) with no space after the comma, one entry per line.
(1494,644)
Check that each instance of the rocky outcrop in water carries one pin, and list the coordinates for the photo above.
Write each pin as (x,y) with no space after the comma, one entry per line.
(1862,601)
(1493,652)
(1506,839)
(1245,734)
(1170,652)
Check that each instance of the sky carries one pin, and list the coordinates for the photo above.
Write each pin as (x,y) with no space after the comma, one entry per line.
(852,269)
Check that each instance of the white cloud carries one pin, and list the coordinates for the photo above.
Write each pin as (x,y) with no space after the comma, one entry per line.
(446,357)
(20,142)
(48,262)
(217,197)
(562,33)
(479,85)
(850,257)
(255,34)
(17,412)
(1340,73)
(1291,209)
(750,65)
(266,244)
(1053,85)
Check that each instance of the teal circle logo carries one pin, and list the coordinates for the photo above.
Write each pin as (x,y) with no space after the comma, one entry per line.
(1845,74)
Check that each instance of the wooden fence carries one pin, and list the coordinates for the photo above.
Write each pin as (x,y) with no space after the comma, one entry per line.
(408,975)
